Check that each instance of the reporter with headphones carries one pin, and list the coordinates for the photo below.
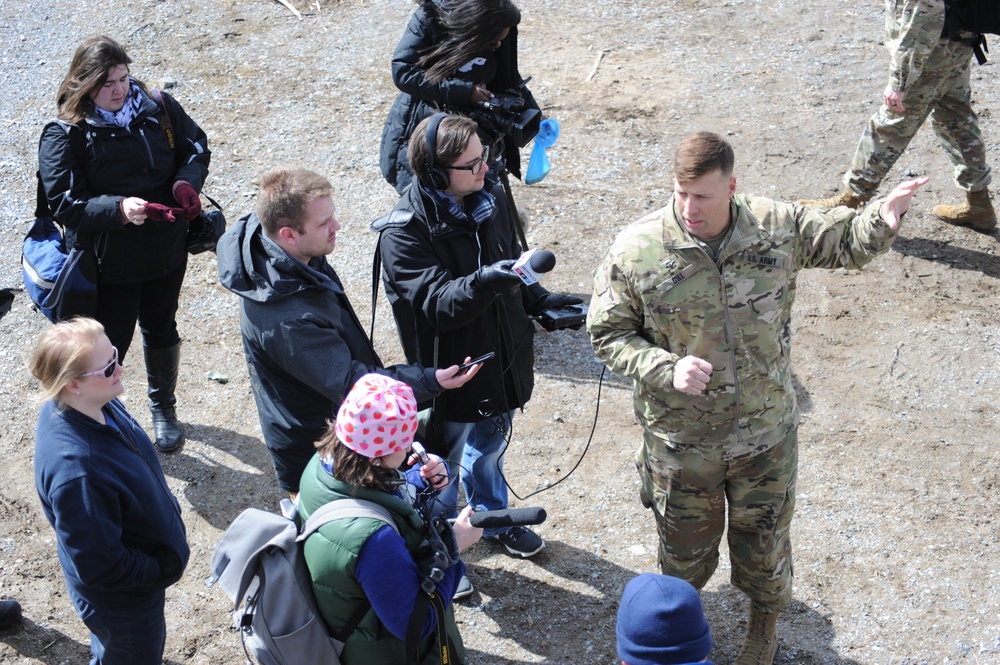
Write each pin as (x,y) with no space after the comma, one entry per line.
(447,250)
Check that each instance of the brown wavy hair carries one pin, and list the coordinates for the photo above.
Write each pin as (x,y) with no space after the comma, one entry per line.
(354,468)
(88,71)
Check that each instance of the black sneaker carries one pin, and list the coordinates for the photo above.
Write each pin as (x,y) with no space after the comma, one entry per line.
(464,589)
(10,613)
(521,540)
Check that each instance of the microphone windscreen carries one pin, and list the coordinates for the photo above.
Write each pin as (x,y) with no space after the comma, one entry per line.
(493,519)
(542,261)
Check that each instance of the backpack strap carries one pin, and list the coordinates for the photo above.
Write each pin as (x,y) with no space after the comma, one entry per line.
(395,219)
(342,509)
(165,123)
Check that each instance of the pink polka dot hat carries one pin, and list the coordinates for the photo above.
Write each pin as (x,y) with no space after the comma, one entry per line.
(378,417)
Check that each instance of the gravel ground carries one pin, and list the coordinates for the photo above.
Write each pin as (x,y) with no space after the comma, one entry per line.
(898,365)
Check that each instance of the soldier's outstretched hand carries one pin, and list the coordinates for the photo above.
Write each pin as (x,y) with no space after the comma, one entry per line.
(898,201)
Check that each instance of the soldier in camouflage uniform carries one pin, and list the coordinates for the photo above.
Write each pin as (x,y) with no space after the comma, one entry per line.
(928,76)
(693,303)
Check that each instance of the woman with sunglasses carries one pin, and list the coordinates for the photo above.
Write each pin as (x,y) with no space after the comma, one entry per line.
(121,167)
(454,55)
(119,533)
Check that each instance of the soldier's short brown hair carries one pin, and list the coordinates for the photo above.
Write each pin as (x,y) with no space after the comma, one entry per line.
(701,153)
(283,197)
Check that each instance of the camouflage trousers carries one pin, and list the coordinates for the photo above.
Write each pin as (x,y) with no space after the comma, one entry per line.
(942,92)
(688,491)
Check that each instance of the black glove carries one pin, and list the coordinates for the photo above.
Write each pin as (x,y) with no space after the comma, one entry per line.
(498,277)
(553,301)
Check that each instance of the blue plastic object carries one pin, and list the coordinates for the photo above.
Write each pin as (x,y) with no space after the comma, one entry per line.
(538,164)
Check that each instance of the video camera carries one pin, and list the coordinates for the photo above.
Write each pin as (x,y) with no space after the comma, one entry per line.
(505,115)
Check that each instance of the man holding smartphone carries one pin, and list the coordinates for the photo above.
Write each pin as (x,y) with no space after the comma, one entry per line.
(447,249)
(304,345)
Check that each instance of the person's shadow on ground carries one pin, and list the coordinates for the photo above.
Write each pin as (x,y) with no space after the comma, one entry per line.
(229,473)
(47,645)
(573,619)
(949,255)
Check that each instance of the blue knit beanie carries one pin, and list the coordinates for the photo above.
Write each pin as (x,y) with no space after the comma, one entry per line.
(661,622)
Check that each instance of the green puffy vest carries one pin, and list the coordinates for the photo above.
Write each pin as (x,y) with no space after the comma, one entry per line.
(332,554)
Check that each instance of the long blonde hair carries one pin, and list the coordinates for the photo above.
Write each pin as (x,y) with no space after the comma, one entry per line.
(63,353)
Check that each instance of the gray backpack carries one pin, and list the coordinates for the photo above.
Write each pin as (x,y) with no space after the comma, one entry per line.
(260,565)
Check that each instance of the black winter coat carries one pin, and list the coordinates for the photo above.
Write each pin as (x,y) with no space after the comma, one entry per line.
(420,98)
(430,261)
(88,168)
(304,345)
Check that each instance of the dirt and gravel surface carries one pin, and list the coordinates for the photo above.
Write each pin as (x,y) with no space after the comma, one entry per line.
(897,366)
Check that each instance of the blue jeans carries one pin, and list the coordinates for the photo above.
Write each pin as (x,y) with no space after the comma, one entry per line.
(474,454)
(132,632)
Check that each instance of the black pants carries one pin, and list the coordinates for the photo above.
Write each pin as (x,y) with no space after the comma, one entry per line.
(152,302)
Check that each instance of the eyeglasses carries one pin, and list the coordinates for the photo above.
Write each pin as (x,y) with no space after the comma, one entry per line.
(106,371)
(476,165)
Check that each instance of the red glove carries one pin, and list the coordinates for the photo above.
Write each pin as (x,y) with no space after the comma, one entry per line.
(188,198)
(156,212)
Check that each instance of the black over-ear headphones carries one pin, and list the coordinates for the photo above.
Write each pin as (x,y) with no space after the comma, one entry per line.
(437,176)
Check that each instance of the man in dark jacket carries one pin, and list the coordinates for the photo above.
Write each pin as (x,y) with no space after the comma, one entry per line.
(304,345)
(447,250)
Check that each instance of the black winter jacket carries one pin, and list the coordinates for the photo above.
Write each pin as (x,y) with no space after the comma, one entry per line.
(88,168)
(430,261)
(420,98)
(304,345)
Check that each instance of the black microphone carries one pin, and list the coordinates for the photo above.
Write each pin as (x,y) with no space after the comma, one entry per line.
(533,263)
(492,519)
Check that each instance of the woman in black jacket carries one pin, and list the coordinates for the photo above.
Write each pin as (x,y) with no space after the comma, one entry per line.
(454,54)
(122,168)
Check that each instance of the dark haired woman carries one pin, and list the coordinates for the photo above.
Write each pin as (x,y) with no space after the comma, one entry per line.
(358,561)
(120,178)
(454,53)
(119,533)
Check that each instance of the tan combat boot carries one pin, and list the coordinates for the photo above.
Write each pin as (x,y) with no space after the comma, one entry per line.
(761,643)
(844,198)
(977,212)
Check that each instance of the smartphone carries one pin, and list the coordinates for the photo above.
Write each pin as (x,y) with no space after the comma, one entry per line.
(421,452)
(464,367)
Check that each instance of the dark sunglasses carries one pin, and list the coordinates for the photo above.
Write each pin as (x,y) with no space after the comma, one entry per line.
(106,371)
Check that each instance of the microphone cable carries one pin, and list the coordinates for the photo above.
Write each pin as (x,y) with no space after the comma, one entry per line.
(590,439)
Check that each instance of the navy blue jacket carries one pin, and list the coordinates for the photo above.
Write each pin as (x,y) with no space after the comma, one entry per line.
(118,527)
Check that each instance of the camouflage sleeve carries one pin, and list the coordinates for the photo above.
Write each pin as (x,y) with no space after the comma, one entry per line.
(841,237)
(912,30)
(615,323)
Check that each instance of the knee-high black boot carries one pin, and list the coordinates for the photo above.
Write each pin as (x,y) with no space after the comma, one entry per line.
(161,373)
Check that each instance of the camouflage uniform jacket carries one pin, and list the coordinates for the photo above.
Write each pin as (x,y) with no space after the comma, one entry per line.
(913,36)
(659,296)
